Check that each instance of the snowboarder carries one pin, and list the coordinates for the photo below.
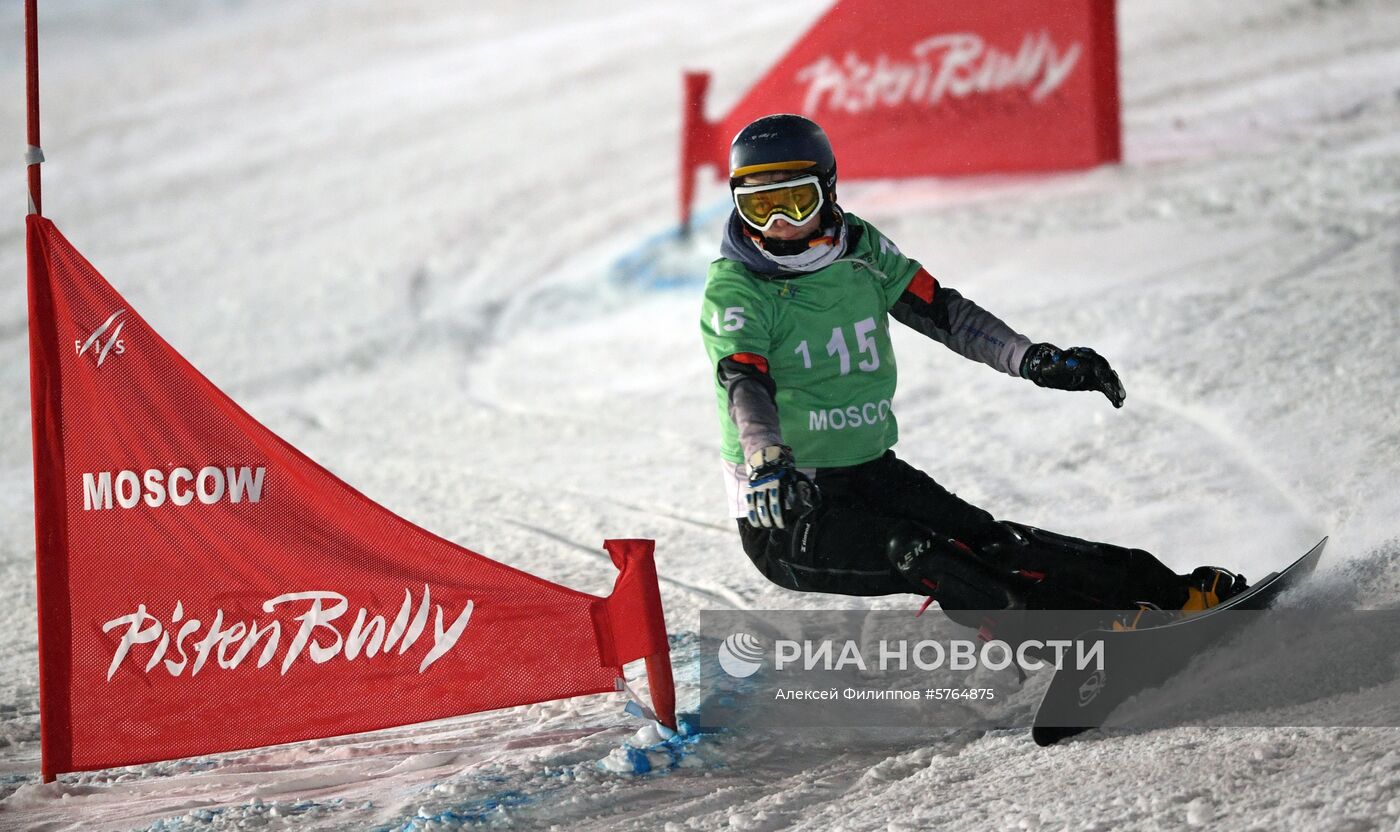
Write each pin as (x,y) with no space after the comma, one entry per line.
(796,323)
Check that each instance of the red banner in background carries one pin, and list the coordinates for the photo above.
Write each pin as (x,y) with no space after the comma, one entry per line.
(913,88)
(204,586)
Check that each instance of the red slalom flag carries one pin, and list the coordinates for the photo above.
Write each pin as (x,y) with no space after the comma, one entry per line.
(205,587)
(912,88)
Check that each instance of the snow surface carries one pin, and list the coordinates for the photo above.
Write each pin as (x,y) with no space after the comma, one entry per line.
(397,233)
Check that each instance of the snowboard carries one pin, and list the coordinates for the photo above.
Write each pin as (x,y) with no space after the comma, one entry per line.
(1140,659)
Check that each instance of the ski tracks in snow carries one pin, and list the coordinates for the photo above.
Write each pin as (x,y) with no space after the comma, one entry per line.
(716,598)
(1215,429)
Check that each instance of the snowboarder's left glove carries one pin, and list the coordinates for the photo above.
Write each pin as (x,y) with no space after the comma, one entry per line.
(777,493)
(1077,368)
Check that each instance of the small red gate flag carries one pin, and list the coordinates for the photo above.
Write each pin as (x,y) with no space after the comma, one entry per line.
(204,586)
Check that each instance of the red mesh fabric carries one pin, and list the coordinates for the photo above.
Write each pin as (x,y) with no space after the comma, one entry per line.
(144,409)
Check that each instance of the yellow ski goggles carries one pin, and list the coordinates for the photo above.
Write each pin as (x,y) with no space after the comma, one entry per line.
(795,200)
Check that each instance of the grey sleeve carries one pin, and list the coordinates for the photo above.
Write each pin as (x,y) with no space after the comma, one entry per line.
(964,327)
(753,403)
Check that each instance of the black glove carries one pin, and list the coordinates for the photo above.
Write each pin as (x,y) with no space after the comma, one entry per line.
(778,493)
(1077,368)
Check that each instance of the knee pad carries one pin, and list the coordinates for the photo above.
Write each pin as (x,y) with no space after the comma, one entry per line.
(948,570)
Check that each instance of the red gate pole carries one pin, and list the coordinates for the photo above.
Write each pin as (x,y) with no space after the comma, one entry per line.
(43,401)
(33,156)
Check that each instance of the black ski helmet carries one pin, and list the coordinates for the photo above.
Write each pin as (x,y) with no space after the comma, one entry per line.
(783,142)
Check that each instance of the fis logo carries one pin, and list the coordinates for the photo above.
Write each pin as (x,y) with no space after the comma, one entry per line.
(741,655)
(99,347)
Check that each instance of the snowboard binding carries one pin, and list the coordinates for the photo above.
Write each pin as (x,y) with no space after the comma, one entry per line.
(1206,587)
(1209,586)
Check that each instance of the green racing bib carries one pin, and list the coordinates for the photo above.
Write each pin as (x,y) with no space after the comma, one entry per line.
(825,336)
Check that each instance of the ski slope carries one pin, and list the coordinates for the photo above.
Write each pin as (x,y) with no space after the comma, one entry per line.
(392,232)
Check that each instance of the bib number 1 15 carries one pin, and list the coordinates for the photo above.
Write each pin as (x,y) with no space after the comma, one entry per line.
(837,348)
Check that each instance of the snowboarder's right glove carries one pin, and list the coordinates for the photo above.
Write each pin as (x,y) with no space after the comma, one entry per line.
(778,494)
(1077,368)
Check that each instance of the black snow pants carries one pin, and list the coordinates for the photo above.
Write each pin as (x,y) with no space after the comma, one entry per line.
(842,546)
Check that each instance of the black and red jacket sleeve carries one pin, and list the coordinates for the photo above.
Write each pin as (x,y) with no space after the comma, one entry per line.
(964,327)
(753,400)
